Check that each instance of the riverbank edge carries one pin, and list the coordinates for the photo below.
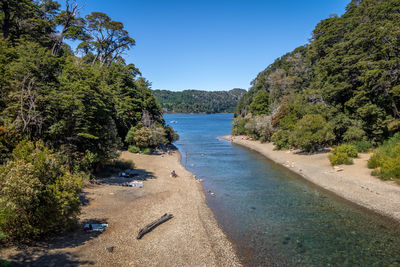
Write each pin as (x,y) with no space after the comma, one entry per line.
(352,183)
(230,245)
(192,238)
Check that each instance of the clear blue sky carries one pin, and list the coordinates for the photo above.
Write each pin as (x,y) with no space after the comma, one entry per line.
(212,44)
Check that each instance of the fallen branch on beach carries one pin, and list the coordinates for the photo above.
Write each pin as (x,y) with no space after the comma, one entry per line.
(154,224)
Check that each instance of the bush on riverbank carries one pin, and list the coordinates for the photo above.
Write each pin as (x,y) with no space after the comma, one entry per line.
(133,149)
(147,151)
(386,159)
(311,133)
(38,194)
(362,146)
(343,154)
(140,137)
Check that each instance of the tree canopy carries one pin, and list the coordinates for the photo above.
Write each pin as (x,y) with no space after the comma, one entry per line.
(348,74)
(63,114)
(197,101)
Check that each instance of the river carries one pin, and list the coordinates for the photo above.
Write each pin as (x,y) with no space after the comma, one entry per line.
(273,216)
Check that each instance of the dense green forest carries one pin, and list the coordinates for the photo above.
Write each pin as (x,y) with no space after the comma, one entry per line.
(197,101)
(341,87)
(64,113)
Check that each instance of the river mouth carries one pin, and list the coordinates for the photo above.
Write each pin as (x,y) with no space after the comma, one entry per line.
(273,216)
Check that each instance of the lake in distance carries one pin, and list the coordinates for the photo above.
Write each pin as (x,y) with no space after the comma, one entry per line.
(273,216)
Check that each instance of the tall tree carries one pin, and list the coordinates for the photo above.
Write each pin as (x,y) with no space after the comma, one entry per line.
(107,39)
(71,25)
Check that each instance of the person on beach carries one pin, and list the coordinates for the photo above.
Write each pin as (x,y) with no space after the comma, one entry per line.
(173,174)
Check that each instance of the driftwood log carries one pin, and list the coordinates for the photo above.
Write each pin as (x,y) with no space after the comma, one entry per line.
(154,224)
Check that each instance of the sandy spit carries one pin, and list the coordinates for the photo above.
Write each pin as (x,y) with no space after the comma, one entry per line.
(191,238)
(351,182)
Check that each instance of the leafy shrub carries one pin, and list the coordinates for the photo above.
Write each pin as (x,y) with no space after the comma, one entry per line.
(343,154)
(143,137)
(377,160)
(170,134)
(87,163)
(348,149)
(158,136)
(37,193)
(362,146)
(260,128)
(281,139)
(129,138)
(390,169)
(146,151)
(386,159)
(353,134)
(340,158)
(239,126)
(311,133)
(133,149)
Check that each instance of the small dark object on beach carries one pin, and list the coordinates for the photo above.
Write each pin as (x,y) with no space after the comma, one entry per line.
(110,249)
(154,224)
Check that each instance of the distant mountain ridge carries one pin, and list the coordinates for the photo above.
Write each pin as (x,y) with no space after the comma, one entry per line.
(199,101)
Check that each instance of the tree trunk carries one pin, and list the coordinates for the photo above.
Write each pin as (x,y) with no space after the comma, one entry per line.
(56,46)
(154,224)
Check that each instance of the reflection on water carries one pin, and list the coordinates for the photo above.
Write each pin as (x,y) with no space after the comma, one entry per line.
(273,216)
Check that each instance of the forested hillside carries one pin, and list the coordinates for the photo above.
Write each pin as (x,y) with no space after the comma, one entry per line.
(343,86)
(64,113)
(197,101)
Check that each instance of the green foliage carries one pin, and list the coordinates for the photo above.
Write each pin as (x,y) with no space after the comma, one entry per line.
(129,138)
(348,149)
(143,137)
(82,107)
(170,134)
(311,133)
(345,74)
(37,193)
(281,139)
(260,103)
(343,154)
(340,158)
(259,127)
(8,141)
(239,126)
(386,159)
(196,101)
(353,134)
(154,136)
(133,149)
(362,146)
(147,151)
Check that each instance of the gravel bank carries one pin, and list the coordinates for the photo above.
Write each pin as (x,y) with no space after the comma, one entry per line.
(191,238)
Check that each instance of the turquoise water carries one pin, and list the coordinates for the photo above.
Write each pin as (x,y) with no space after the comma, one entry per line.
(274,217)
